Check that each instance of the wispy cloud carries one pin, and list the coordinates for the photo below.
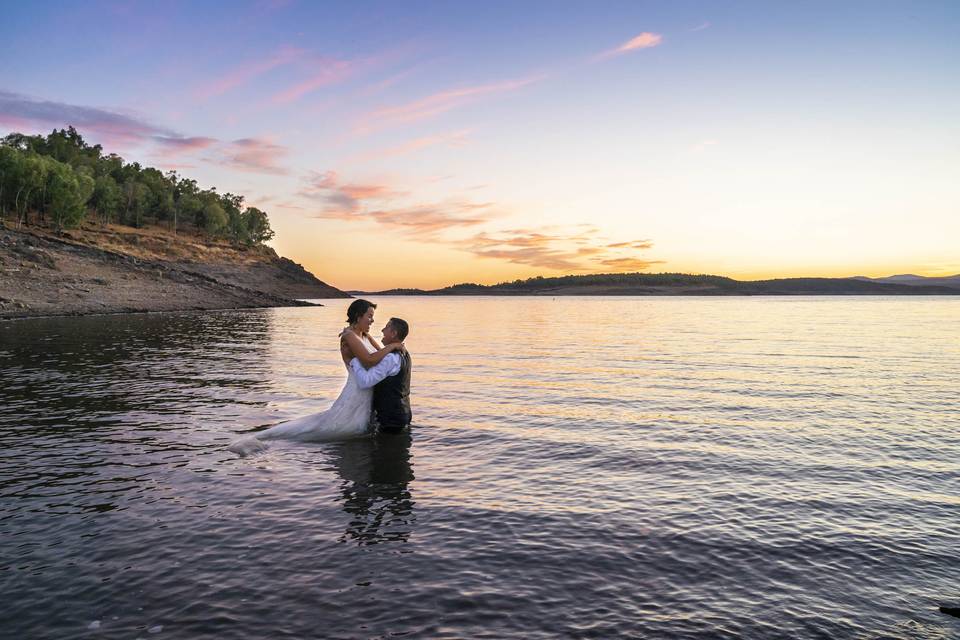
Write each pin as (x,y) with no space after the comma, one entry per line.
(324,72)
(341,198)
(176,145)
(573,250)
(701,27)
(378,203)
(389,81)
(111,127)
(436,104)
(632,244)
(257,155)
(629,264)
(581,248)
(645,40)
(452,140)
(427,220)
(248,71)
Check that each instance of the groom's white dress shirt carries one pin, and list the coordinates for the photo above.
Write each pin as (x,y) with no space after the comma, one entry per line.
(366,378)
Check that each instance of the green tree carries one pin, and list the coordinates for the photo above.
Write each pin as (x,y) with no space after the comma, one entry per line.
(106,198)
(69,191)
(257,225)
(32,178)
(134,200)
(214,218)
(10,160)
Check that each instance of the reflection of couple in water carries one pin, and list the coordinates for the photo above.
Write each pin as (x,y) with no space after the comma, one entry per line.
(374,491)
(375,397)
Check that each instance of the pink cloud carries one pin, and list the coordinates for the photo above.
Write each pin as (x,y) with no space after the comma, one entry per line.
(645,40)
(248,71)
(172,145)
(452,140)
(425,220)
(580,248)
(104,125)
(329,71)
(343,198)
(436,104)
(255,155)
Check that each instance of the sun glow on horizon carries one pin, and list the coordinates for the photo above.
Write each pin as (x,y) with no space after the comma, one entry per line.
(423,147)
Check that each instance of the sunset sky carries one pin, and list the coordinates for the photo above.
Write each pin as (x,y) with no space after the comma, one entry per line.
(423,144)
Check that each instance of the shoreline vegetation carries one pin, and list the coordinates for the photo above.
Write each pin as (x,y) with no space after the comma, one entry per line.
(84,232)
(682,284)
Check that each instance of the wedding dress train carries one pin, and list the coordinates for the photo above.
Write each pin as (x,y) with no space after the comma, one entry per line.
(348,417)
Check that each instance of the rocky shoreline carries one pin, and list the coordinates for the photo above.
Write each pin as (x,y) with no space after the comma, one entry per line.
(93,271)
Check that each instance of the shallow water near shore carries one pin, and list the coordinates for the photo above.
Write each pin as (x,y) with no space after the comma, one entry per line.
(579,467)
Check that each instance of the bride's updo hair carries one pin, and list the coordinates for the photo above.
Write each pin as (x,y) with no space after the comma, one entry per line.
(357,308)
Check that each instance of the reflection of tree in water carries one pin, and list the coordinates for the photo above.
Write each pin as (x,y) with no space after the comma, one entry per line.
(375,494)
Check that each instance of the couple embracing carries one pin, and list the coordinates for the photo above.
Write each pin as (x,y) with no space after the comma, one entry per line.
(375,397)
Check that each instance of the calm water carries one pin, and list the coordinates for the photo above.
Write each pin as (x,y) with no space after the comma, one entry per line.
(580,467)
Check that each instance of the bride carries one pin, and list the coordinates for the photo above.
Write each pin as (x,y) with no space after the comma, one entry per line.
(349,415)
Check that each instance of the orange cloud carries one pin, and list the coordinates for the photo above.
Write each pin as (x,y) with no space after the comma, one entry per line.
(436,104)
(632,244)
(629,264)
(429,219)
(552,248)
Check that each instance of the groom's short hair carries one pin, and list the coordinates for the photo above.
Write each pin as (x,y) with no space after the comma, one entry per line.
(401,327)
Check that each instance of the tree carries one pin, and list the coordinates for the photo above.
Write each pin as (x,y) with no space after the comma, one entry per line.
(62,175)
(32,177)
(214,218)
(69,192)
(257,226)
(10,160)
(133,197)
(106,198)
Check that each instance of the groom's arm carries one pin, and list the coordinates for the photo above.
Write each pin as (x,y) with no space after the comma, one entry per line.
(366,378)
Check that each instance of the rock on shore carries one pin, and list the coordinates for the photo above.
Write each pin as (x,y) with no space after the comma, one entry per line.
(118,269)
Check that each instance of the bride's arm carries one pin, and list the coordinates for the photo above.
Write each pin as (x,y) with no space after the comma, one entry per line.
(366,358)
(374,342)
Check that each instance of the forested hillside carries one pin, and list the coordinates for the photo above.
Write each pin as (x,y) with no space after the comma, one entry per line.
(60,180)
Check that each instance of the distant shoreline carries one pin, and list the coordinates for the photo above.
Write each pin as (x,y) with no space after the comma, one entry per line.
(679,284)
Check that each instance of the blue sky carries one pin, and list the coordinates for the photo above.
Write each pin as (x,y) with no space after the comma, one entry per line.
(496,140)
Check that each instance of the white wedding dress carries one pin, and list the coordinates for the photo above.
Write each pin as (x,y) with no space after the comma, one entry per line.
(348,417)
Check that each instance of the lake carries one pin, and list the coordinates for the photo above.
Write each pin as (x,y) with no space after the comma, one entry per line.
(578,467)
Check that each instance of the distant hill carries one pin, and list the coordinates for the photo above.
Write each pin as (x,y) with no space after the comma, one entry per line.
(678,284)
(917,281)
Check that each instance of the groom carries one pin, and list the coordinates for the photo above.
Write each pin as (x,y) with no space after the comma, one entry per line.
(390,379)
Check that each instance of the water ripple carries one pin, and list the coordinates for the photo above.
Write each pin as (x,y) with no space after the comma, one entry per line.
(676,468)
